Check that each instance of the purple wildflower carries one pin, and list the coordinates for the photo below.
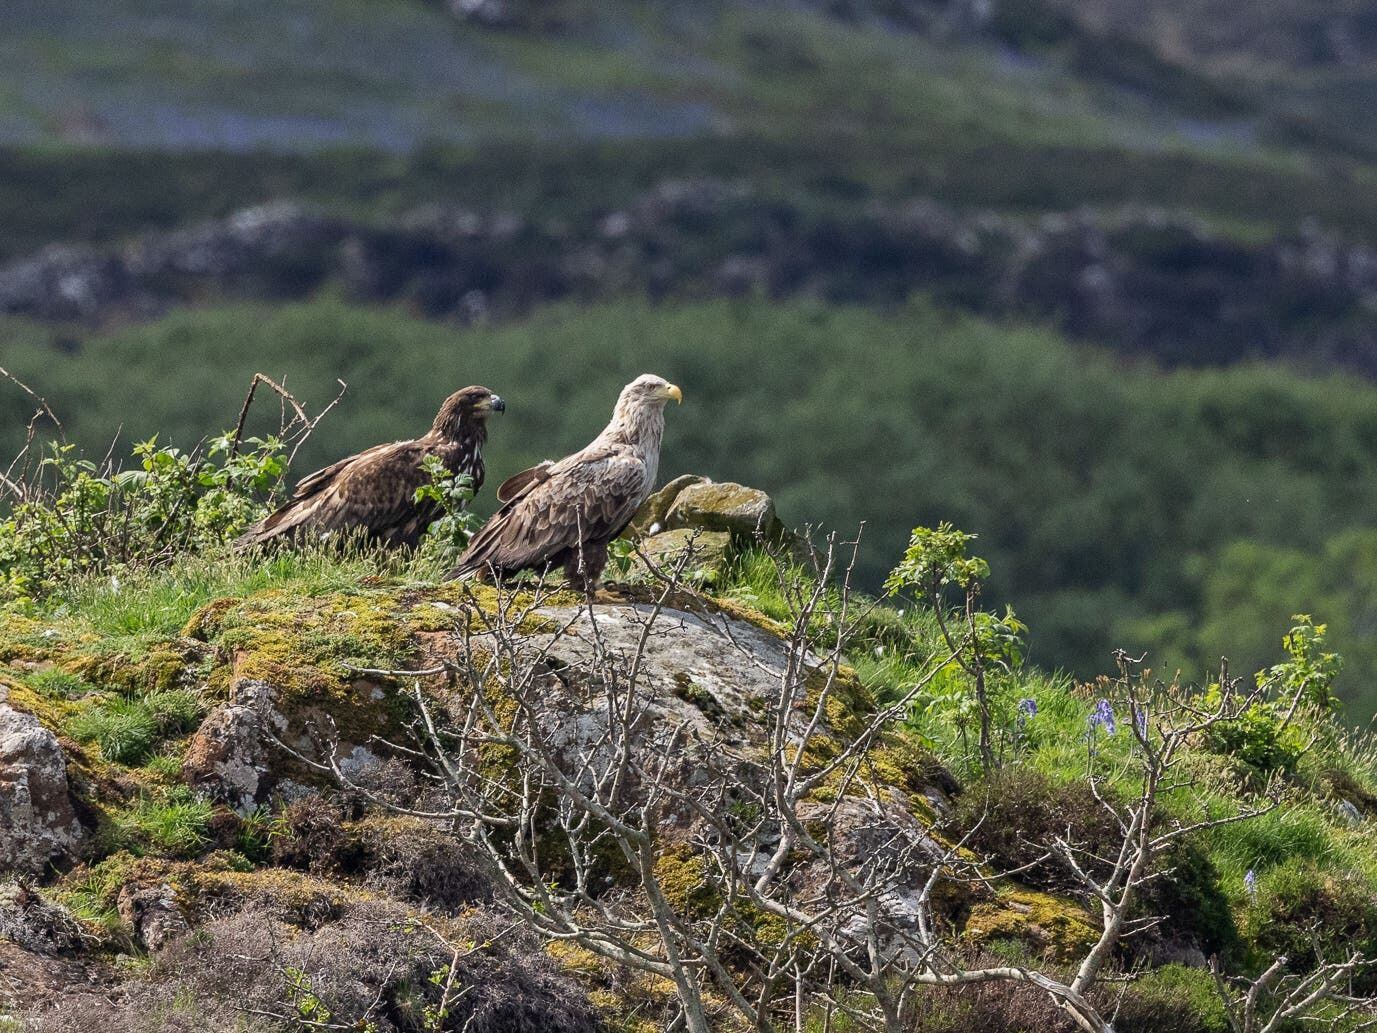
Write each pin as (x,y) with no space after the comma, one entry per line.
(1028,707)
(1140,721)
(1250,882)
(1103,717)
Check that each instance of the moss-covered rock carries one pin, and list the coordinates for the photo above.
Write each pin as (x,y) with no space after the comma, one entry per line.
(38,820)
(232,758)
(650,518)
(702,556)
(733,508)
(1054,927)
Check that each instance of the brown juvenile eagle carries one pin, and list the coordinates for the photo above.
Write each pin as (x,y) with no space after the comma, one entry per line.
(376,489)
(565,513)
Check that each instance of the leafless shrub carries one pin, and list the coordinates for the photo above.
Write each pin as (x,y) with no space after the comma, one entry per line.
(768,873)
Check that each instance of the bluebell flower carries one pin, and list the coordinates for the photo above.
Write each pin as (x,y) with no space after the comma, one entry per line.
(1250,882)
(1140,721)
(1028,707)
(1103,717)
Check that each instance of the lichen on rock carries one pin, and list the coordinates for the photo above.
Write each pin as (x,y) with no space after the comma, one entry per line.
(232,757)
(38,822)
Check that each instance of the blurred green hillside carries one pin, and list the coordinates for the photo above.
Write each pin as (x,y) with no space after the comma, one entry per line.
(1195,186)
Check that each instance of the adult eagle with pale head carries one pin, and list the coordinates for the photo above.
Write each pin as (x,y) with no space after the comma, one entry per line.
(376,489)
(564,514)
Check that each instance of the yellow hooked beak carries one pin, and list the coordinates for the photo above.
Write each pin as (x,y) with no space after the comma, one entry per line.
(672,391)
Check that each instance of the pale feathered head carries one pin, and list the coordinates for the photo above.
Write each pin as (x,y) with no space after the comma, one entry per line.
(647,390)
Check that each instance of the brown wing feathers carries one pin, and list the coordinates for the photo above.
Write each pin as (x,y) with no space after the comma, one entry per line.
(565,513)
(375,490)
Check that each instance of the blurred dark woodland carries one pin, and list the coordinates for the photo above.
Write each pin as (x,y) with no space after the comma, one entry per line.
(1094,279)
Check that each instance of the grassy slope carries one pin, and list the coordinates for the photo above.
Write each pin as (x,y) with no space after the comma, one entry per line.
(323,608)
(1129,507)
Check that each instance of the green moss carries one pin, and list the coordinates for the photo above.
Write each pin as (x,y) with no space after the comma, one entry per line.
(682,874)
(689,691)
(51,712)
(745,612)
(160,669)
(1058,929)
(303,897)
(900,761)
(847,706)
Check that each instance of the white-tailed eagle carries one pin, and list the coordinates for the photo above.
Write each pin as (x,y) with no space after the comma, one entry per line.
(564,514)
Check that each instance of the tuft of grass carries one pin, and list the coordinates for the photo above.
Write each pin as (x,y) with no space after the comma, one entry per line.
(124,729)
(56,684)
(175,711)
(174,824)
(166,765)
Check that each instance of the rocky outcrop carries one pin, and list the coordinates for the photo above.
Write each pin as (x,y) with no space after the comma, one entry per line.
(152,913)
(232,756)
(650,518)
(38,822)
(698,525)
(706,682)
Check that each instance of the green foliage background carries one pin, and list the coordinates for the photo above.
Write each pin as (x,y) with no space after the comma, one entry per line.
(1188,513)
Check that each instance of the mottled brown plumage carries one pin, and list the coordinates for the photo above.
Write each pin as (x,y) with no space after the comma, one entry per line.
(564,514)
(376,489)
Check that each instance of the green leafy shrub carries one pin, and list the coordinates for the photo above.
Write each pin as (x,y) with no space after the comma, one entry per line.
(1261,738)
(449,533)
(1308,673)
(1267,737)
(80,518)
(981,644)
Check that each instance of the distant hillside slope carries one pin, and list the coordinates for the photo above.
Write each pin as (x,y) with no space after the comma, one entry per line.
(1251,38)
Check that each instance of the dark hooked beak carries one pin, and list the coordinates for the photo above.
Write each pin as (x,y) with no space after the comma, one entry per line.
(496,404)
